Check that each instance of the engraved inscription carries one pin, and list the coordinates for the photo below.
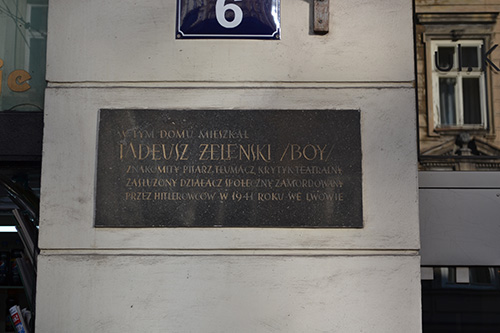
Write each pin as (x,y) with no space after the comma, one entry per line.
(164,168)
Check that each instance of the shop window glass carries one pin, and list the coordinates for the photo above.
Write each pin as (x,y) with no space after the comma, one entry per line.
(23,36)
(449,305)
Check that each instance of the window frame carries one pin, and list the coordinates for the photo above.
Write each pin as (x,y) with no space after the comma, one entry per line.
(459,75)
(463,25)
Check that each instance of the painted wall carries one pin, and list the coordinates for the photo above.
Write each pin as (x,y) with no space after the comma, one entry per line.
(459,218)
(123,54)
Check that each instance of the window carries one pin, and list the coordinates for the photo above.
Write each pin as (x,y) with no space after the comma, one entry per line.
(450,304)
(37,44)
(478,277)
(458,84)
(23,36)
(456,55)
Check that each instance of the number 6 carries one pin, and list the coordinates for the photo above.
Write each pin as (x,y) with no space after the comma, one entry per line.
(220,14)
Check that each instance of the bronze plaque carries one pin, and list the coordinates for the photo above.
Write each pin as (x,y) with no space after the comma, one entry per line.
(229,168)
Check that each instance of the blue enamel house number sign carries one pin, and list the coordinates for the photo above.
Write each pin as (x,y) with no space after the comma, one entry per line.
(237,19)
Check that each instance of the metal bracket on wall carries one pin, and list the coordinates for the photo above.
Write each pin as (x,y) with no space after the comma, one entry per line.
(321,16)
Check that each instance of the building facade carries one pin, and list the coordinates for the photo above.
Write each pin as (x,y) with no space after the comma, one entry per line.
(130,55)
(457,69)
(458,89)
(124,55)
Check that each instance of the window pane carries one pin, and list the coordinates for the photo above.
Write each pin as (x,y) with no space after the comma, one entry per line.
(447,105)
(469,57)
(39,18)
(23,35)
(472,102)
(480,275)
(448,307)
(37,65)
(445,57)
(451,275)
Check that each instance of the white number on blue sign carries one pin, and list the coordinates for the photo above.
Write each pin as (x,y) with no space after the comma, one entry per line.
(220,13)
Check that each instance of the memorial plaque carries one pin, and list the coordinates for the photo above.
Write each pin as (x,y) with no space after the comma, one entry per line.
(231,168)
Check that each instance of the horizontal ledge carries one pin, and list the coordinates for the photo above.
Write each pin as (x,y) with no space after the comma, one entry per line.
(459,180)
(457,18)
(234,85)
(227,252)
